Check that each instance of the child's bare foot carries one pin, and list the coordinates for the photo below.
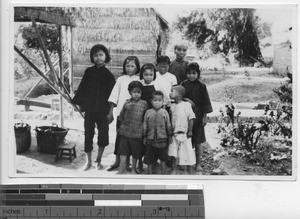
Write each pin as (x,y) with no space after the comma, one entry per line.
(122,172)
(99,166)
(173,172)
(134,171)
(149,169)
(139,171)
(129,168)
(189,170)
(113,167)
(182,168)
(87,166)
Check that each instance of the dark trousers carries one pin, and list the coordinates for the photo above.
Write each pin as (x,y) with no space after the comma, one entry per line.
(118,136)
(90,120)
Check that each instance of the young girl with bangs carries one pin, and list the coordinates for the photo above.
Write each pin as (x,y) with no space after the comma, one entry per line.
(119,95)
(92,97)
(196,91)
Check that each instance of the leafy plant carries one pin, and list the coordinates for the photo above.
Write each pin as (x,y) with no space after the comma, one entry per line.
(49,34)
(268,141)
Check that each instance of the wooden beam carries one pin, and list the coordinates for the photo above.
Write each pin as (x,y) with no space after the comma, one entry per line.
(25,14)
(57,79)
(49,82)
(43,47)
(38,82)
(33,103)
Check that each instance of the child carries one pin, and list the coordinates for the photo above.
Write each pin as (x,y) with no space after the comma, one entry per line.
(131,130)
(147,77)
(165,79)
(179,65)
(182,117)
(92,97)
(196,91)
(119,94)
(157,133)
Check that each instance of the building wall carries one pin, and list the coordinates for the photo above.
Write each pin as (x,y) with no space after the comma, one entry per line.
(124,31)
(282,59)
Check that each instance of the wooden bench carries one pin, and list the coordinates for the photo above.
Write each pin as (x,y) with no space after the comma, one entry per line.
(66,149)
(29,103)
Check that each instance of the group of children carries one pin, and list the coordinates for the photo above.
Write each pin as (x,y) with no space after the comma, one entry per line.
(161,111)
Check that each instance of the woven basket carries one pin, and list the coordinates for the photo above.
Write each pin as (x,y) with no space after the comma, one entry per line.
(49,138)
(23,137)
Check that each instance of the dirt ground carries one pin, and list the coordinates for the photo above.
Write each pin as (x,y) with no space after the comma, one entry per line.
(215,160)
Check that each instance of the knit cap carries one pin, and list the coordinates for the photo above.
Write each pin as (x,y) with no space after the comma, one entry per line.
(180,89)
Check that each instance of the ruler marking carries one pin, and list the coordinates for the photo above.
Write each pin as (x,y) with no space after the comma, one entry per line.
(192,195)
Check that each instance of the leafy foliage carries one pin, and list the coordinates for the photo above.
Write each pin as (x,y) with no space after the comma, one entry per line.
(224,30)
(267,142)
(49,34)
(285,95)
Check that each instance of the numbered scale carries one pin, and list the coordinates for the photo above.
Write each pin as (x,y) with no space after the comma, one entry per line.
(92,201)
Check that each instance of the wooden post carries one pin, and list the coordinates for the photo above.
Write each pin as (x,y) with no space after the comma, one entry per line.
(61,76)
(39,81)
(71,72)
(56,78)
(43,47)
(51,84)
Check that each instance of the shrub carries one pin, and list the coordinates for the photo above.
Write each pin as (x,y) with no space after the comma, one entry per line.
(267,142)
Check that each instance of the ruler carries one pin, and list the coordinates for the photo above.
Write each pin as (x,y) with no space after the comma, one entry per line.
(91,201)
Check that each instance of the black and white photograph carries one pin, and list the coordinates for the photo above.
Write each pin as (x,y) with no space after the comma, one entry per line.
(160,91)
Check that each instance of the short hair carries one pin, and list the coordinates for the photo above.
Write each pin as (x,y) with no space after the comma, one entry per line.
(193,66)
(136,61)
(148,66)
(179,89)
(157,92)
(134,84)
(179,45)
(163,59)
(99,47)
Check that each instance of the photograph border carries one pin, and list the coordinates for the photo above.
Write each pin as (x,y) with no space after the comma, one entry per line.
(10,159)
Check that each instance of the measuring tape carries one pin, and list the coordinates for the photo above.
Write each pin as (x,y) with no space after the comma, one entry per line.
(101,201)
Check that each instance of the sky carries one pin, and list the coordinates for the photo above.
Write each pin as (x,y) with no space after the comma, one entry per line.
(268,14)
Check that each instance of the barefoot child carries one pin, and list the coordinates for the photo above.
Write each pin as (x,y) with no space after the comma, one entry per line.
(119,94)
(182,117)
(157,131)
(131,130)
(196,91)
(92,97)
